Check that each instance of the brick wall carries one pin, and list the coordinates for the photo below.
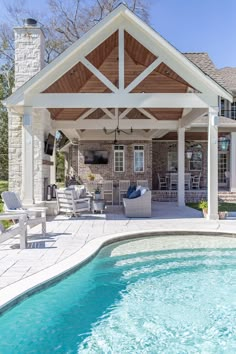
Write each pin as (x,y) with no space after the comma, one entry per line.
(79,168)
(160,160)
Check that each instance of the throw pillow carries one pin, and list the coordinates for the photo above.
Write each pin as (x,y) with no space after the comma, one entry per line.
(138,188)
(130,190)
(135,194)
(143,190)
(83,192)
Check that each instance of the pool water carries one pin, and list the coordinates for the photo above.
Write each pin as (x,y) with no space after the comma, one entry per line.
(162,301)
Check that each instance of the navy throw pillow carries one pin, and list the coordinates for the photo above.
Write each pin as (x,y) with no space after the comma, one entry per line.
(130,190)
(135,194)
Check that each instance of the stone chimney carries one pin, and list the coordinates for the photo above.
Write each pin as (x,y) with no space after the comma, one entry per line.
(29,51)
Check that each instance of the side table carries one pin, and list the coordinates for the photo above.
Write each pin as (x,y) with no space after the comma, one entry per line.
(98,205)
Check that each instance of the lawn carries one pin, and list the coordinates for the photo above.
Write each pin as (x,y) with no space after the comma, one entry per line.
(222,206)
(3,187)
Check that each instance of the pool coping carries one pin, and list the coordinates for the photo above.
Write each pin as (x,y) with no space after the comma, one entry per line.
(18,291)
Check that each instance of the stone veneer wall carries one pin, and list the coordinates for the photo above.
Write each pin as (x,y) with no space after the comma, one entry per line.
(41,128)
(77,166)
(29,53)
(29,60)
(160,160)
(15,151)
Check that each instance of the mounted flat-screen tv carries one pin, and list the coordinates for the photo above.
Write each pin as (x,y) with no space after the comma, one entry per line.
(98,157)
(49,145)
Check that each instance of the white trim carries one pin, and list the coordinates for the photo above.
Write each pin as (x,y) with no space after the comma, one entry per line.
(86,114)
(143,151)
(143,75)
(121,59)
(110,124)
(190,117)
(108,113)
(99,74)
(114,154)
(119,100)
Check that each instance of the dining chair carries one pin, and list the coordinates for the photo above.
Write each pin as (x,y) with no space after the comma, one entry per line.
(187,180)
(196,181)
(123,187)
(107,189)
(174,181)
(162,182)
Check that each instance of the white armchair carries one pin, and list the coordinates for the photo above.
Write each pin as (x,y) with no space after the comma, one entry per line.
(69,203)
(140,207)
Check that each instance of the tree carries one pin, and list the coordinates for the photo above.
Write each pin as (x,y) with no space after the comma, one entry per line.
(64,23)
(6,84)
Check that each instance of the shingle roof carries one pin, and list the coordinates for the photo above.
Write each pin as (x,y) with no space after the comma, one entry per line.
(204,62)
(229,75)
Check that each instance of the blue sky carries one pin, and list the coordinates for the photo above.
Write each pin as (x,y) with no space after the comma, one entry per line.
(190,25)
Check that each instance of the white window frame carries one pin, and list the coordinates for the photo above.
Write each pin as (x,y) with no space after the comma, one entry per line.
(138,150)
(123,153)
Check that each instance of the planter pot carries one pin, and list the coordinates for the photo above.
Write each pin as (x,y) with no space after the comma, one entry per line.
(222,215)
(97,196)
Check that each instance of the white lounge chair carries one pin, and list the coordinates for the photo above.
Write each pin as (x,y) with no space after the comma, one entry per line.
(69,203)
(17,229)
(35,215)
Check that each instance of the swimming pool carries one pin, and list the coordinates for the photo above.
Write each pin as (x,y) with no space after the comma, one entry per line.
(138,296)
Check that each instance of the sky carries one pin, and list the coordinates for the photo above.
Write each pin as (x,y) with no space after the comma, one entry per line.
(189,25)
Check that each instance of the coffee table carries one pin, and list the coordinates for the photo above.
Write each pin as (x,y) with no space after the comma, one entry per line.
(98,205)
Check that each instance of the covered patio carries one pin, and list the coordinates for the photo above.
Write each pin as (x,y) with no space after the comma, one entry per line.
(120,85)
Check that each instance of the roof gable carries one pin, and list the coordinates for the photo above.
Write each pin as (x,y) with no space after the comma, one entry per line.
(135,27)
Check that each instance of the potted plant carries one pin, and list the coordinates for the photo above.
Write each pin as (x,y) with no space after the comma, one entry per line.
(204,206)
(91,177)
(97,193)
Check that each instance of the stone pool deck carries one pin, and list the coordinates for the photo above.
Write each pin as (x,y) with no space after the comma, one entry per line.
(66,236)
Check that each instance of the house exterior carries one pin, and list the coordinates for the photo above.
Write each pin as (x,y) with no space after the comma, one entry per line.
(123,94)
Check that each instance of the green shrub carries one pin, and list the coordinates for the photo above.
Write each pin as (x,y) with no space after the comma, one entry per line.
(203,204)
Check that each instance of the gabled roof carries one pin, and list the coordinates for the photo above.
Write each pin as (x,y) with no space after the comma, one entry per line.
(120,13)
(204,62)
(229,75)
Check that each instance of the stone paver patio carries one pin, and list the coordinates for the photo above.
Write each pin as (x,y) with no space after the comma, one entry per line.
(65,236)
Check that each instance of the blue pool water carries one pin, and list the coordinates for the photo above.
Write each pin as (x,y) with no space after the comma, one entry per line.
(169,301)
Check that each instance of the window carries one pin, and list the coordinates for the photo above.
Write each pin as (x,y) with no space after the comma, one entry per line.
(172,161)
(233,110)
(138,158)
(119,158)
(195,164)
(222,107)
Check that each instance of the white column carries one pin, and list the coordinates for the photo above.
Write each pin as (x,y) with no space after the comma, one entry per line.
(53,167)
(28,157)
(233,162)
(181,166)
(212,184)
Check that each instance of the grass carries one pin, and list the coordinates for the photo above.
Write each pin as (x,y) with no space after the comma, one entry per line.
(3,187)
(222,206)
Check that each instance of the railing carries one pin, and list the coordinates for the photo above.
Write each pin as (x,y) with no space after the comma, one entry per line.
(228,113)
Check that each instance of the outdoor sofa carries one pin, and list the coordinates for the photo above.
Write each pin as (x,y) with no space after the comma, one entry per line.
(140,207)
